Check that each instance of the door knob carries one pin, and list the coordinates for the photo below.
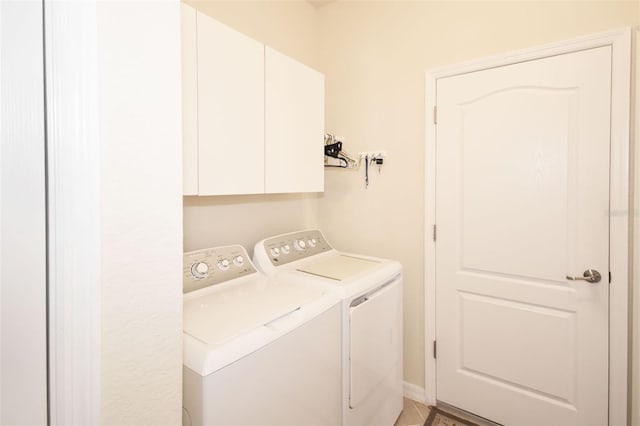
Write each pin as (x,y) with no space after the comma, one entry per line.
(590,275)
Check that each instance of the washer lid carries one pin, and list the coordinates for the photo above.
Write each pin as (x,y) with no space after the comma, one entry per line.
(219,316)
(340,267)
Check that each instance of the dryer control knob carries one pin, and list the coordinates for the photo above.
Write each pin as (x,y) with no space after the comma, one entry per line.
(299,245)
(199,270)
(286,248)
(224,264)
(275,252)
(313,242)
(238,260)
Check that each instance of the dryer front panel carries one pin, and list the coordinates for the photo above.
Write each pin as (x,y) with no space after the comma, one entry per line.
(375,340)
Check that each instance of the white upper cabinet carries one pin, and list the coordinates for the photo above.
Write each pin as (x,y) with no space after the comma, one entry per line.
(294,134)
(253,122)
(230,110)
(189,101)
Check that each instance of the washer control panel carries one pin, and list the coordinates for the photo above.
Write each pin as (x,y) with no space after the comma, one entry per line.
(206,267)
(287,248)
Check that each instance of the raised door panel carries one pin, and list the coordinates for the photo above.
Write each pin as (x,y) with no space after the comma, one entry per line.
(230,110)
(294,126)
(189,100)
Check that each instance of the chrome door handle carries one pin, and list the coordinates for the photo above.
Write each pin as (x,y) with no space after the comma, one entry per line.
(590,275)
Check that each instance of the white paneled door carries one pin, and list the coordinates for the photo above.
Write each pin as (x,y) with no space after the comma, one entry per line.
(522,207)
(23,234)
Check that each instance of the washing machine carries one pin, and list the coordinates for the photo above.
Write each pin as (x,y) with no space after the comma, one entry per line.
(257,351)
(371,327)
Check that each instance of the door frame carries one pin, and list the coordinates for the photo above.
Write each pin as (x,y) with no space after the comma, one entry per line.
(74,200)
(620,42)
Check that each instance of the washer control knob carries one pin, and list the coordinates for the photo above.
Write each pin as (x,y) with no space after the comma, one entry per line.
(313,242)
(275,252)
(299,245)
(286,249)
(224,264)
(199,270)
(238,260)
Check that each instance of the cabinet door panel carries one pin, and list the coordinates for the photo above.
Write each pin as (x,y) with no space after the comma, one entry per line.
(230,110)
(294,132)
(189,100)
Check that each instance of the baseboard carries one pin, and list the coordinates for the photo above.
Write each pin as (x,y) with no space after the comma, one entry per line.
(413,392)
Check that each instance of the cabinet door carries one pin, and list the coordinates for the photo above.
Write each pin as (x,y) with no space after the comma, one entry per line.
(294,135)
(189,100)
(230,110)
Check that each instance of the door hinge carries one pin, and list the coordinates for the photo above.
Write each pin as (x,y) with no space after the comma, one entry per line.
(435,115)
(434,232)
(435,351)
(609,277)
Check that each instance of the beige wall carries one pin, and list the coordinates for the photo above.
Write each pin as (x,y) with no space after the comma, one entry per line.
(374,55)
(292,28)
(288,26)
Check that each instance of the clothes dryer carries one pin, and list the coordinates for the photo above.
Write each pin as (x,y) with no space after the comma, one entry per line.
(371,332)
(257,350)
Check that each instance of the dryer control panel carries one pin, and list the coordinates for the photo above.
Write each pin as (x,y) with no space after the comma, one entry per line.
(207,267)
(286,248)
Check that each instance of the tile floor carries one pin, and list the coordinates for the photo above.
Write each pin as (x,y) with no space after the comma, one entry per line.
(413,414)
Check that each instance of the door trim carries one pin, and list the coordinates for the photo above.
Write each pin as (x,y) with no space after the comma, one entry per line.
(72,124)
(620,42)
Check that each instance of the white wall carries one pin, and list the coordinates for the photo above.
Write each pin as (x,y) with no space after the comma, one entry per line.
(292,28)
(374,55)
(141,215)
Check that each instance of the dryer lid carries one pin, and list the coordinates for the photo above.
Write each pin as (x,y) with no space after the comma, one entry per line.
(339,267)
(219,316)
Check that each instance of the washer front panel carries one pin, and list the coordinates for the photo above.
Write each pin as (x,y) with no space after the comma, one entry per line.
(288,248)
(206,267)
